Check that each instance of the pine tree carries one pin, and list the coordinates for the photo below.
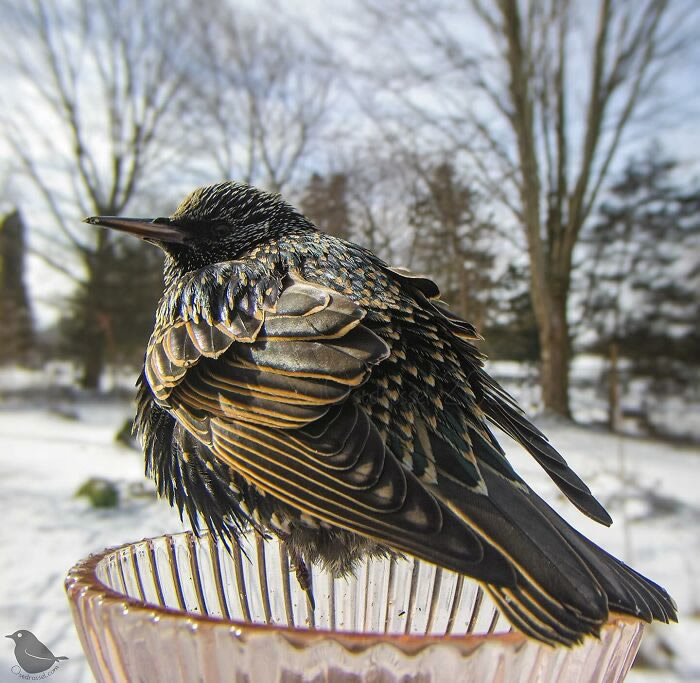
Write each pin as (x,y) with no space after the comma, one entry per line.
(16,328)
(325,203)
(110,321)
(511,333)
(642,277)
(452,242)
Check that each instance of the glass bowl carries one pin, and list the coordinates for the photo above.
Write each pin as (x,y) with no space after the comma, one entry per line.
(183,608)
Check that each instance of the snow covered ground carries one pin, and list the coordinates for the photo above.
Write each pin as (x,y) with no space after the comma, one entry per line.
(49,448)
(44,457)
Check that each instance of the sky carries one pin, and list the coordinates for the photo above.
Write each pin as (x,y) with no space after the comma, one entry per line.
(320,21)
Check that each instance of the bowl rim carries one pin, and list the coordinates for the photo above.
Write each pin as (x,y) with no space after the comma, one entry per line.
(82,581)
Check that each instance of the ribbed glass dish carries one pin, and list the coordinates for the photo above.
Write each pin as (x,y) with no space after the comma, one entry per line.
(182,608)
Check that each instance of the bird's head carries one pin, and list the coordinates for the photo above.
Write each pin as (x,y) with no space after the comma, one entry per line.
(20,635)
(214,223)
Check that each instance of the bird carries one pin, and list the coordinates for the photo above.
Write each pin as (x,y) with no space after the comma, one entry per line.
(297,384)
(31,654)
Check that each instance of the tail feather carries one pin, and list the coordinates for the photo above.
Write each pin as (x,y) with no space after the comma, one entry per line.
(532,622)
(517,426)
(628,591)
(566,585)
(556,598)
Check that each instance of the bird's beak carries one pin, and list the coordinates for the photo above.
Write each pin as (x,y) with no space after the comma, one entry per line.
(158,229)
(8,636)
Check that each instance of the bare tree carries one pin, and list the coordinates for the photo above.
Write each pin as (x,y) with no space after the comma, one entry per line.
(378,184)
(90,118)
(262,96)
(538,96)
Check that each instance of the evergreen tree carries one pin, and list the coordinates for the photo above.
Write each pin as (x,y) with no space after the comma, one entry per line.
(325,203)
(511,330)
(111,323)
(453,242)
(16,330)
(643,275)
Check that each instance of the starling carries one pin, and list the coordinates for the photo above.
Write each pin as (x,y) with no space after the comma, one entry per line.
(297,383)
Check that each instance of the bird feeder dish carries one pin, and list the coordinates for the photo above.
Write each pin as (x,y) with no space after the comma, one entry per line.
(183,608)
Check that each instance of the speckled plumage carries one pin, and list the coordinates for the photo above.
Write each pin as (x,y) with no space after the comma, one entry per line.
(296,383)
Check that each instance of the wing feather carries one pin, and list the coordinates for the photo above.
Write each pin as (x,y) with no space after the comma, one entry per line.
(276,407)
(377,497)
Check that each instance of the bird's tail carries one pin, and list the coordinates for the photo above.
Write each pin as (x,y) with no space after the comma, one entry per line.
(566,585)
(57,658)
(628,591)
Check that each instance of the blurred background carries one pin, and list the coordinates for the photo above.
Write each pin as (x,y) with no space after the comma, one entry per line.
(538,158)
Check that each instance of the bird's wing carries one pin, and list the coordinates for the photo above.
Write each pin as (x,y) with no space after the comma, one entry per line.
(39,651)
(275,402)
(501,409)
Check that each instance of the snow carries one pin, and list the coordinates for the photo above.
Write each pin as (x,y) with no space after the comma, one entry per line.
(50,447)
(44,458)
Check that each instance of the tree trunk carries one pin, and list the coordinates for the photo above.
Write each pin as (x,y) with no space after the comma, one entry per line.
(93,339)
(93,365)
(92,345)
(553,327)
(614,416)
(463,307)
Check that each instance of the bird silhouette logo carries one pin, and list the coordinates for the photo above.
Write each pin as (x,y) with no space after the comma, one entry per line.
(31,654)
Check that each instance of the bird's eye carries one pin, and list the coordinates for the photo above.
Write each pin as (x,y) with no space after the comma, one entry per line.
(19,635)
